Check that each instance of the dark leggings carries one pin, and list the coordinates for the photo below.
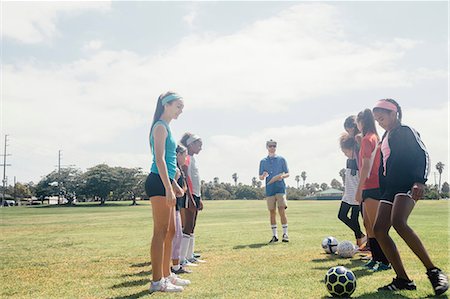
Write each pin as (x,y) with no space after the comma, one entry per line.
(190,218)
(351,222)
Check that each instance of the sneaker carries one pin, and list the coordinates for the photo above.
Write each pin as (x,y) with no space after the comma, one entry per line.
(197,255)
(164,286)
(175,280)
(196,260)
(285,238)
(439,280)
(187,263)
(370,264)
(181,270)
(398,284)
(379,266)
(273,240)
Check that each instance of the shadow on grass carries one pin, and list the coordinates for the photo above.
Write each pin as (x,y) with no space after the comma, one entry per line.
(134,283)
(136,295)
(141,265)
(257,245)
(142,273)
(350,264)
(82,205)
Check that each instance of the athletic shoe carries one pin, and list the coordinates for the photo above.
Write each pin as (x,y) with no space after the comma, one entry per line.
(175,280)
(439,280)
(181,270)
(187,263)
(379,266)
(196,260)
(370,264)
(196,255)
(273,240)
(364,248)
(285,238)
(164,286)
(398,284)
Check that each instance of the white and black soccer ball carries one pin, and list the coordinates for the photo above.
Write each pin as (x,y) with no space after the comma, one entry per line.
(346,249)
(329,244)
(340,282)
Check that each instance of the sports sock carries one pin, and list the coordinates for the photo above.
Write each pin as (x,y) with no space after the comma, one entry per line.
(190,252)
(274,230)
(184,246)
(285,229)
(380,254)
(176,267)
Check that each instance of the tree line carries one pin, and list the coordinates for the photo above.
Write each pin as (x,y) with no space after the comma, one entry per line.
(102,182)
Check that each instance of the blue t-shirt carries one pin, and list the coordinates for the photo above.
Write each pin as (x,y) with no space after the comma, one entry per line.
(274,166)
(170,152)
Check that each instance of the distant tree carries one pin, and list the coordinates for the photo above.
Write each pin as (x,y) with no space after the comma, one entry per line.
(440,168)
(335,184)
(235,178)
(258,184)
(445,189)
(297,179)
(21,191)
(303,175)
(247,192)
(99,182)
(254,182)
(324,186)
(69,180)
(216,181)
(342,175)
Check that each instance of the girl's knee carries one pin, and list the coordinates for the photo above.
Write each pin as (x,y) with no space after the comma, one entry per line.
(400,225)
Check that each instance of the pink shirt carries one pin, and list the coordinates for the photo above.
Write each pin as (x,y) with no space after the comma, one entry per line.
(386,150)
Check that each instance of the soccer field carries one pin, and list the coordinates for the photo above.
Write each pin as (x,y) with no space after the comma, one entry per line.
(103,252)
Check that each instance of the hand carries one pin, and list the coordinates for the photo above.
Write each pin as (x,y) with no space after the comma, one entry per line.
(358,196)
(170,198)
(265,174)
(417,191)
(179,192)
(200,206)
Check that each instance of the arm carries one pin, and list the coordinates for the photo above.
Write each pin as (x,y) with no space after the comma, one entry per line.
(262,173)
(363,173)
(159,139)
(191,203)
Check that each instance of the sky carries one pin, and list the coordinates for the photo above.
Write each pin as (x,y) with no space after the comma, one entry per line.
(84,77)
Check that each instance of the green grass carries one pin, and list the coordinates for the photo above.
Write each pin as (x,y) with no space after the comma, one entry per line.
(103,252)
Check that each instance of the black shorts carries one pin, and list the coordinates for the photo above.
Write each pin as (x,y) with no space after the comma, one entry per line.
(154,185)
(389,194)
(371,193)
(181,203)
(196,200)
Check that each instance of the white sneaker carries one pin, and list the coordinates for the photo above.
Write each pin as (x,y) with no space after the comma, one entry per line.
(187,263)
(175,280)
(196,260)
(164,286)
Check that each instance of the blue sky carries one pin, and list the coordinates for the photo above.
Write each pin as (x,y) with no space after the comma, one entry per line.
(83,77)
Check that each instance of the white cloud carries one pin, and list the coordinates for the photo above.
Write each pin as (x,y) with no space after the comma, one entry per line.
(93,45)
(34,22)
(302,53)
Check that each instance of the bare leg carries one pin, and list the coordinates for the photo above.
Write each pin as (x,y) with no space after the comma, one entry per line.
(167,257)
(283,217)
(273,214)
(381,230)
(403,206)
(161,214)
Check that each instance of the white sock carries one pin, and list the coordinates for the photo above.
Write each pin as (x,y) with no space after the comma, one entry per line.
(184,247)
(176,267)
(285,229)
(190,252)
(274,230)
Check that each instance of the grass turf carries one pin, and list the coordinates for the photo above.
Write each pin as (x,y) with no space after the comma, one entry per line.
(90,251)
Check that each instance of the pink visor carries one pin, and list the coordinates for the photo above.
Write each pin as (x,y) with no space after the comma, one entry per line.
(383,104)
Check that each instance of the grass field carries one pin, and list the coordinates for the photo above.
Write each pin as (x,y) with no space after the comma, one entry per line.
(103,252)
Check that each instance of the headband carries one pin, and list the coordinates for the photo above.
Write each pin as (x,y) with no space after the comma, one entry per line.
(383,104)
(192,139)
(171,97)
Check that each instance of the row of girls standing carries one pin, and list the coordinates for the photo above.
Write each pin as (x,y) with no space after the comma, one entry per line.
(392,175)
(167,189)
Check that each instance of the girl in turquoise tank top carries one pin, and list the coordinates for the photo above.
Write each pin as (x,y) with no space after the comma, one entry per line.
(162,190)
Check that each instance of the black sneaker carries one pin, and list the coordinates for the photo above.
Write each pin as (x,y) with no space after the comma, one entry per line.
(180,271)
(285,238)
(398,284)
(273,240)
(438,280)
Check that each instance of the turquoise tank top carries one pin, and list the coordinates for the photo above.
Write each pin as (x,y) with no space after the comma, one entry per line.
(170,149)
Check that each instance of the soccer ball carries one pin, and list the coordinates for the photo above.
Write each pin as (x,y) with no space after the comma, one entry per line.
(346,249)
(340,281)
(329,244)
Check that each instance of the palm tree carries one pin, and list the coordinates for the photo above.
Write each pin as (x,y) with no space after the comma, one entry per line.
(216,181)
(303,175)
(254,182)
(440,168)
(235,178)
(297,179)
(342,174)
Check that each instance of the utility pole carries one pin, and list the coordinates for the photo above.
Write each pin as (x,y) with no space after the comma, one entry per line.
(59,175)
(4,170)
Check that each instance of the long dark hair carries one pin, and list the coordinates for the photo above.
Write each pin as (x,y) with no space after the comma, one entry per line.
(160,107)
(350,123)
(368,122)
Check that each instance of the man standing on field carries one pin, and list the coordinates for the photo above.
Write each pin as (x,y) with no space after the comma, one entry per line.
(274,170)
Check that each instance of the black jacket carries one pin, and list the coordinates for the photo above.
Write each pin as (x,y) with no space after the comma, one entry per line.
(408,162)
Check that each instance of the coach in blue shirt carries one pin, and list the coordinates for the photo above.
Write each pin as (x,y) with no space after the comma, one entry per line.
(274,170)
